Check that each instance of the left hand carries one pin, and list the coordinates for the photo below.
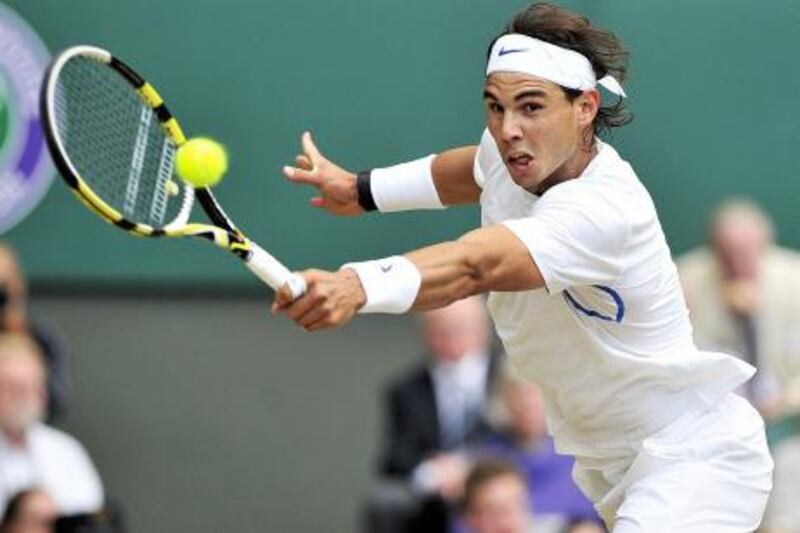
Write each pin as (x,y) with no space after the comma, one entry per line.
(331,299)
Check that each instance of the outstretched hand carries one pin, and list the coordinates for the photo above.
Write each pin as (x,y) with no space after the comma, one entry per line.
(331,300)
(336,186)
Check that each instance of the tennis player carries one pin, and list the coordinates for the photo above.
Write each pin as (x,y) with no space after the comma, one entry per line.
(583,291)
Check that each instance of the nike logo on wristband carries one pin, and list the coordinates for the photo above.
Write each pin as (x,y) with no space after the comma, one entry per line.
(504,51)
(386,268)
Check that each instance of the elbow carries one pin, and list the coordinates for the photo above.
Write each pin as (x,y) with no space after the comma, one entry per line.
(480,270)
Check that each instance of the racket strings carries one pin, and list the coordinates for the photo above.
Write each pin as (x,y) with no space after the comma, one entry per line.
(116,143)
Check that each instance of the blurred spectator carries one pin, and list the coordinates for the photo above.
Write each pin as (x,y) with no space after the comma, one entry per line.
(14,319)
(743,294)
(522,438)
(30,511)
(433,412)
(496,499)
(33,454)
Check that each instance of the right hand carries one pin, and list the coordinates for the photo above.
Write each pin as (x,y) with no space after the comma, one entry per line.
(336,186)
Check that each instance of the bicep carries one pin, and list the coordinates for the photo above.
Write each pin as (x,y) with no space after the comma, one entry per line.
(454,178)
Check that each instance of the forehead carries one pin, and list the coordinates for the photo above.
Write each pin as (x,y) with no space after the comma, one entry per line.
(500,487)
(509,84)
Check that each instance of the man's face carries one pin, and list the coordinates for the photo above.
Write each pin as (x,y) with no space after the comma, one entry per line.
(538,131)
(740,246)
(22,392)
(456,330)
(499,506)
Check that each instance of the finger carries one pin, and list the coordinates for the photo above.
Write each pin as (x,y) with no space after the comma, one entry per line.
(310,149)
(300,307)
(299,175)
(283,298)
(327,321)
(326,203)
(317,326)
(312,316)
(304,162)
(322,323)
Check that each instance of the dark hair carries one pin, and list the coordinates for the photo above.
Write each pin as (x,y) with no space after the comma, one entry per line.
(484,471)
(567,29)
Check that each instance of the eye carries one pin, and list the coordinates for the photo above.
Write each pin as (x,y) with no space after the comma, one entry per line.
(531,107)
(494,107)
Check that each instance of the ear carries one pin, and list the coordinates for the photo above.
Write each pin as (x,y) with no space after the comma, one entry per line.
(586,106)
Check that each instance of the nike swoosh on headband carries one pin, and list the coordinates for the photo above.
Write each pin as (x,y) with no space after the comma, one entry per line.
(503,51)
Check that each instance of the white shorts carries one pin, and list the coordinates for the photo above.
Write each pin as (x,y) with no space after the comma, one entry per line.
(706,472)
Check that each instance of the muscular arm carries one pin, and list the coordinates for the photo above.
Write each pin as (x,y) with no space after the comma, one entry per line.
(487,259)
(483,260)
(453,176)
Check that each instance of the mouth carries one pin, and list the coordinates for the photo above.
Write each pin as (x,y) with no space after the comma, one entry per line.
(519,161)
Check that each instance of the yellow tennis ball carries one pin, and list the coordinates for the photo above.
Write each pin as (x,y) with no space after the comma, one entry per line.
(201,162)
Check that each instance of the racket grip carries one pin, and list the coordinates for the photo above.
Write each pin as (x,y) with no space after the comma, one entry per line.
(272,271)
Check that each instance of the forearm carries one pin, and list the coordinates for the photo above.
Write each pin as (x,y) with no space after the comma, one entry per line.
(448,274)
(432,182)
(489,259)
(453,176)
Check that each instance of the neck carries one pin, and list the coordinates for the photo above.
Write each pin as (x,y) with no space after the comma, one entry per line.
(573,168)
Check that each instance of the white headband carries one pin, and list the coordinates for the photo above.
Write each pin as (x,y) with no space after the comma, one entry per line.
(519,53)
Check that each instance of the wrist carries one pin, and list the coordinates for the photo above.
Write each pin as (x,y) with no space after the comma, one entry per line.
(360,295)
(389,285)
(399,188)
(363,190)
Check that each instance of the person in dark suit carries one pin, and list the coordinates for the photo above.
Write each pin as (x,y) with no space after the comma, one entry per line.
(432,413)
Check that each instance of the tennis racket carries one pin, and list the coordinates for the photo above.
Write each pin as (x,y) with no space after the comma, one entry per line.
(113,141)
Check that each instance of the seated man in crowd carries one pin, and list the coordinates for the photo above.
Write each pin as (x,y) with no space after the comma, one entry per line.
(743,294)
(496,501)
(433,412)
(14,318)
(33,454)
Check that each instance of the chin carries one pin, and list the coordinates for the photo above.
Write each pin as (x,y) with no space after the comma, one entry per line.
(527,180)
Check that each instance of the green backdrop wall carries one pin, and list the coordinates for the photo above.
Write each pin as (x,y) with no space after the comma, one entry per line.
(713,85)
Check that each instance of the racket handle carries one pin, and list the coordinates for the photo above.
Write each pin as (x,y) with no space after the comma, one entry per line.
(272,272)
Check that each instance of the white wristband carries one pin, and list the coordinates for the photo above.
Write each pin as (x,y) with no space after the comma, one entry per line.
(391,284)
(405,186)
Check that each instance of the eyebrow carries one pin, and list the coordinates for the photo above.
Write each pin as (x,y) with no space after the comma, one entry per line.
(533,93)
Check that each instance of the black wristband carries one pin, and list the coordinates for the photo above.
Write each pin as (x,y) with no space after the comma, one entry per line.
(364,189)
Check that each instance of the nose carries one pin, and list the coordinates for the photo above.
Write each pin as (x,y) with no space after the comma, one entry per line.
(511,129)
